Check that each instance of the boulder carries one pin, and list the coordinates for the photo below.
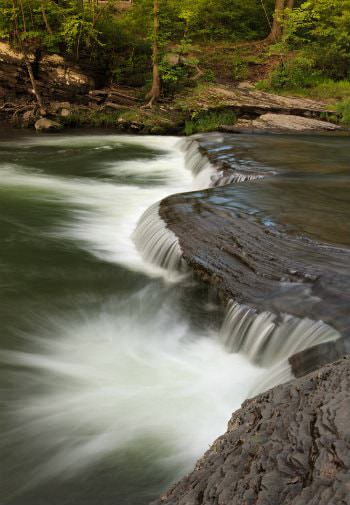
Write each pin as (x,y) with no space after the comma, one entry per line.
(65,112)
(291,122)
(45,124)
(290,446)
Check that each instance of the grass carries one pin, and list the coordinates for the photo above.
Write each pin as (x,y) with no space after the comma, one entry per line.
(343,108)
(209,121)
(92,119)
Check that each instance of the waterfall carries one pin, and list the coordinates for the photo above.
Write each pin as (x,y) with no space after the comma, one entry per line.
(265,338)
(157,243)
(202,168)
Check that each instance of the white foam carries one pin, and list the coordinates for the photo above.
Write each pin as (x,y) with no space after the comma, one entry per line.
(104,214)
(121,376)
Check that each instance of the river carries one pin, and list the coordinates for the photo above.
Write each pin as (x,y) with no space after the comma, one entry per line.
(114,375)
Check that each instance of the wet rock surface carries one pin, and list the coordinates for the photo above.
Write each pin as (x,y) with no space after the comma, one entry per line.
(260,266)
(290,446)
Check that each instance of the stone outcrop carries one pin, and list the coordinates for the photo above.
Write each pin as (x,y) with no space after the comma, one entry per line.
(57,79)
(289,122)
(279,122)
(250,103)
(262,267)
(290,446)
(45,124)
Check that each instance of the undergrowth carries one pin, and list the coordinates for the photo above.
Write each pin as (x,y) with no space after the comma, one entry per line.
(209,121)
(92,119)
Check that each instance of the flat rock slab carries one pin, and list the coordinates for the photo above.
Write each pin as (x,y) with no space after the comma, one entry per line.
(290,122)
(253,103)
(290,446)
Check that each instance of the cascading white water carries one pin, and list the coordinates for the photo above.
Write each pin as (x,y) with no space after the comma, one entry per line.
(201,167)
(158,245)
(129,370)
(266,339)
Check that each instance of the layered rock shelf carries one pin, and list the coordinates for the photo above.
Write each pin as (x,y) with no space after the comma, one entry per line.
(290,446)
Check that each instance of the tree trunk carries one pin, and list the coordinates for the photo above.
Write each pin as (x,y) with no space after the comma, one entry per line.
(34,86)
(276,30)
(46,21)
(154,94)
(25,58)
(290,4)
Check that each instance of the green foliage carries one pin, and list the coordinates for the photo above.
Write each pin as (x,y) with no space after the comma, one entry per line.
(321,28)
(329,89)
(77,32)
(173,76)
(299,72)
(92,119)
(209,121)
(65,26)
(343,108)
(240,69)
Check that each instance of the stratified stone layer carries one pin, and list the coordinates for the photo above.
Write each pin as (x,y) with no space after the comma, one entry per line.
(290,446)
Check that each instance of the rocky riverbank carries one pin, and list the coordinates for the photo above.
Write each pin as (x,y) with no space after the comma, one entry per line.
(290,446)
(71,99)
(259,266)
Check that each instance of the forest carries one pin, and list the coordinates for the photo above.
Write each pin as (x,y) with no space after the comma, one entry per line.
(163,46)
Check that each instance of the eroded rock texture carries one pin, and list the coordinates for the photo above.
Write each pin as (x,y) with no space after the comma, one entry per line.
(290,446)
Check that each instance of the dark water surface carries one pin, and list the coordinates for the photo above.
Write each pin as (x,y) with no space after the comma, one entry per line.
(113,378)
(310,191)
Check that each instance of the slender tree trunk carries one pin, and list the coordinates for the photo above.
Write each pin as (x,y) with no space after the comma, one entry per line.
(34,86)
(26,60)
(154,94)
(290,4)
(46,21)
(276,30)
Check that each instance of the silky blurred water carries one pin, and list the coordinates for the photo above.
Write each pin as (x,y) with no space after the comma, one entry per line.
(113,377)
(113,382)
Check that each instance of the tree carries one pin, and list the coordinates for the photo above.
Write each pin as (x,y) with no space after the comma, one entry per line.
(154,93)
(28,65)
(276,29)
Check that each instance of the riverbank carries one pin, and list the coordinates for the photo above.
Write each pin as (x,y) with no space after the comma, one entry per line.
(71,99)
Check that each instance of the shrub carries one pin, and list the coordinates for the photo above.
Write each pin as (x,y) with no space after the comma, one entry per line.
(209,121)
(92,119)
(332,89)
(343,108)
(240,69)
(294,74)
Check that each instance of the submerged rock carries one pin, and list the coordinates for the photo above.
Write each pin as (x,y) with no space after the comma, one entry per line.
(290,445)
